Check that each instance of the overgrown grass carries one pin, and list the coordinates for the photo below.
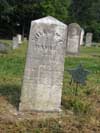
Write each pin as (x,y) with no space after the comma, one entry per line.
(7,42)
(82,103)
(11,74)
(80,107)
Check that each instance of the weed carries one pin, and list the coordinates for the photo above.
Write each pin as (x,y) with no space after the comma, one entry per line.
(11,75)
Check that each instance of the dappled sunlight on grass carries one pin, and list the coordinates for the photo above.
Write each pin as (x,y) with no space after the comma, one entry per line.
(80,112)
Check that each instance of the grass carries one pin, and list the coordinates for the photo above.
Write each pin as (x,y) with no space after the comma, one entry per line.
(81,112)
(11,74)
(7,42)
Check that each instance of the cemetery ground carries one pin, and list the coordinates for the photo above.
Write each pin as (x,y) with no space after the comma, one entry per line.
(80,113)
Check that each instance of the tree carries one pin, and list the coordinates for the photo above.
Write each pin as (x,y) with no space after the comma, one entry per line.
(80,11)
(56,8)
(87,14)
(3,16)
(25,12)
(16,15)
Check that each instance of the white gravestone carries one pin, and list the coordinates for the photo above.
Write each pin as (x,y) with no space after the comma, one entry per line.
(19,37)
(43,77)
(25,39)
(88,42)
(82,37)
(73,39)
(15,43)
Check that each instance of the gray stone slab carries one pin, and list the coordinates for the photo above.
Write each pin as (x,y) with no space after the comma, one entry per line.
(3,48)
(82,37)
(73,39)
(19,37)
(88,41)
(25,39)
(43,76)
(15,43)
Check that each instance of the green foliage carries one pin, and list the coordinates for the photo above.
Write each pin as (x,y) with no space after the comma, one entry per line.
(16,16)
(56,8)
(87,14)
(80,11)
(82,104)
(77,105)
(12,92)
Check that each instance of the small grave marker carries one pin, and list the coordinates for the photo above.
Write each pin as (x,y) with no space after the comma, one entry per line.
(19,37)
(15,43)
(89,39)
(79,74)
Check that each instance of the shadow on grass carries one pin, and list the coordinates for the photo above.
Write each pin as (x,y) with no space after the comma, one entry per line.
(12,92)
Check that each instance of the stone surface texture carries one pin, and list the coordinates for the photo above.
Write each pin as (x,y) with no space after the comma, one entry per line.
(73,39)
(15,43)
(82,37)
(88,42)
(43,77)
(19,37)
(3,48)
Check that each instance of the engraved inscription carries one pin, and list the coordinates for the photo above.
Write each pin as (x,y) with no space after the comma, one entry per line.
(45,40)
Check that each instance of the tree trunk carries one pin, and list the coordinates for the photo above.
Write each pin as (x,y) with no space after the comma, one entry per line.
(23,31)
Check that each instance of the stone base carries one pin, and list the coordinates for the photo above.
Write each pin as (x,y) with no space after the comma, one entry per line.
(72,54)
(39,110)
(40,115)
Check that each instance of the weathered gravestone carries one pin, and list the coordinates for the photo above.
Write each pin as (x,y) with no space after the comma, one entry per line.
(73,39)
(88,42)
(42,84)
(15,43)
(82,37)
(19,37)
(3,48)
(25,39)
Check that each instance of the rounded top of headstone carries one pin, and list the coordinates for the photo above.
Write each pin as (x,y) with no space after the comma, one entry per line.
(74,29)
(75,25)
(89,34)
(49,20)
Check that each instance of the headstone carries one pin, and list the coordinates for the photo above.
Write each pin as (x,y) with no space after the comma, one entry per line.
(43,77)
(25,39)
(15,43)
(88,42)
(3,48)
(19,37)
(73,39)
(82,37)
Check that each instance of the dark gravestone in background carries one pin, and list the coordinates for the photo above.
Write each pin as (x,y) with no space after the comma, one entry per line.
(73,39)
